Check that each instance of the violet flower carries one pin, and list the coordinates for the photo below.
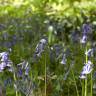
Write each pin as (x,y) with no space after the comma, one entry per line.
(40,47)
(4,56)
(23,69)
(82,76)
(7,82)
(86,28)
(84,39)
(63,61)
(5,62)
(87,69)
(89,52)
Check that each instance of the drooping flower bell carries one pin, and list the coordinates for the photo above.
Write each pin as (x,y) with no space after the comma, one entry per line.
(5,62)
(40,47)
(87,69)
(86,30)
(89,52)
(82,76)
(63,61)
(84,39)
(4,56)
(23,69)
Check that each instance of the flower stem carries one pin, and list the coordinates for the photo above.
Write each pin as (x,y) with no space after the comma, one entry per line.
(16,86)
(86,75)
(75,83)
(85,87)
(82,87)
(45,74)
(91,85)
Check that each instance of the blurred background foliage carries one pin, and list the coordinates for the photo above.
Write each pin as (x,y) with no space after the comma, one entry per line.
(24,22)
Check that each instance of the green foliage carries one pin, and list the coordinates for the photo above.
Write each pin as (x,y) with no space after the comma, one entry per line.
(25,22)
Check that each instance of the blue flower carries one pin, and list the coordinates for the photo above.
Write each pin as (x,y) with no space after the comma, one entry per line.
(57,48)
(7,82)
(20,73)
(84,39)
(40,47)
(86,28)
(5,62)
(87,69)
(23,68)
(89,52)
(4,56)
(27,70)
(63,61)
(82,76)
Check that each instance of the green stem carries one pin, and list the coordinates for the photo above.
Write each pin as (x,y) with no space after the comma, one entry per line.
(68,91)
(75,83)
(82,87)
(45,75)
(85,87)
(91,85)
(86,75)
(16,86)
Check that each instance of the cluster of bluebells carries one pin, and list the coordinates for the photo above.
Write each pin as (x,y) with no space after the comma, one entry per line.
(88,66)
(22,69)
(5,63)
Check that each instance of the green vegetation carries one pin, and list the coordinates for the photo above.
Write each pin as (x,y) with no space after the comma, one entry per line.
(58,25)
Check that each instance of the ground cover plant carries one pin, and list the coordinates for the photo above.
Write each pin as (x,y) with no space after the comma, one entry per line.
(47,47)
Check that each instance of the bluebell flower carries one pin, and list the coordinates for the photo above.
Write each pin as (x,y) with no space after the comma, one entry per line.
(4,56)
(86,28)
(40,47)
(57,48)
(82,76)
(84,39)
(27,70)
(63,61)
(23,69)
(87,69)
(7,82)
(74,36)
(20,73)
(5,62)
(89,52)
